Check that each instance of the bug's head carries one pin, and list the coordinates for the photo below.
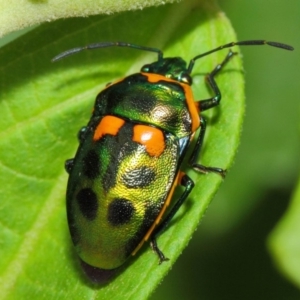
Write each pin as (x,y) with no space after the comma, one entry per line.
(172,67)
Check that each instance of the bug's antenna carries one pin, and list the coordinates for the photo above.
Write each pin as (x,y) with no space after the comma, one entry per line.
(104,45)
(242,43)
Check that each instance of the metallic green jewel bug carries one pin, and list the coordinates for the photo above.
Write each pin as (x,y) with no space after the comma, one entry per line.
(124,173)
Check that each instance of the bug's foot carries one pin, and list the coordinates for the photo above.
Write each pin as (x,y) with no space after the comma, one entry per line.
(205,170)
(159,253)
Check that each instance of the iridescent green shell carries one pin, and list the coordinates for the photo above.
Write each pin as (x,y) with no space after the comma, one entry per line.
(162,104)
(117,189)
(115,193)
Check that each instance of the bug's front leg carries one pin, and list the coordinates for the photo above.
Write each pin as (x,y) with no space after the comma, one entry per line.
(204,105)
(210,79)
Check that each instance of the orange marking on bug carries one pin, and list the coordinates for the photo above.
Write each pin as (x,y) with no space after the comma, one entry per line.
(152,138)
(159,217)
(108,125)
(192,105)
(197,105)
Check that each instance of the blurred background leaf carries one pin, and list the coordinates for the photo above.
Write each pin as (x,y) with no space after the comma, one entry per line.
(284,242)
(17,15)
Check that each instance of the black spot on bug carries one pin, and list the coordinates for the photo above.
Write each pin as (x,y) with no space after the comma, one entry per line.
(138,178)
(120,211)
(88,203)
(91,165)
(131,92)
(118,147)
(148,103)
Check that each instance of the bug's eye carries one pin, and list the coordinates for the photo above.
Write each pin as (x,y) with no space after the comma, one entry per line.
(145,68)
(186,78)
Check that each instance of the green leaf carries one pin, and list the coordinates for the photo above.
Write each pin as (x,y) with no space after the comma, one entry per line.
(43,105)
(284,242)
(16,15)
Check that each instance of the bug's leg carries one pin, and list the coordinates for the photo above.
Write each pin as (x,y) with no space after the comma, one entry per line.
(215,100)
(196,153)
(188,183)
(204,105)
(69,163)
